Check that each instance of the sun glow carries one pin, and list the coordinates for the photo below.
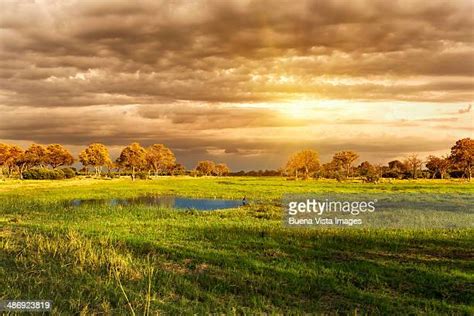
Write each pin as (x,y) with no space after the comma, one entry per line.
(304,108)
(297,110)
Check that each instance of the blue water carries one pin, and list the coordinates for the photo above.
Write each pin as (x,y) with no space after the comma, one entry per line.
(164,202)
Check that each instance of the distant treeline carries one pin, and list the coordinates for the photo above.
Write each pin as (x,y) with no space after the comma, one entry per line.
(459,163)
(50,161)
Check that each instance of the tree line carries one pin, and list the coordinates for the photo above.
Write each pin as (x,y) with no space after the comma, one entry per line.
(158,159)
(459,163)
(134,159)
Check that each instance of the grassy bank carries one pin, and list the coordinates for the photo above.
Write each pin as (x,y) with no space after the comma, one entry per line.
(116,260)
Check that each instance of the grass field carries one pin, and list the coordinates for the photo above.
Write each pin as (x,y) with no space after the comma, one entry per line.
(139,259)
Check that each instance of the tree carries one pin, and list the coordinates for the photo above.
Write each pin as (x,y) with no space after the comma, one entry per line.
(221,169)
(160,158)
(364,168)
(205,167)
(329,170)
(462,155)
(133,157)
(110,166)
(438,165)
(413,163)
(95,155)
(345,159)
(36,156)
(178,169)
(4,155)
(368,172)
(84,160)
(396,169)
(397,164)
(305,161)
(11,157)
(19,160)
(57,156)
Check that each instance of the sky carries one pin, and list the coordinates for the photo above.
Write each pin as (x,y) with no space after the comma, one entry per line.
(239,81)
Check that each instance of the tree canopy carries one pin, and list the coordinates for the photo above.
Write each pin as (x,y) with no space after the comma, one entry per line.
(160,158)
(57,155)
(462,154)
(345,159)
(205,167)
(305,162)
(133,157)
(95,155)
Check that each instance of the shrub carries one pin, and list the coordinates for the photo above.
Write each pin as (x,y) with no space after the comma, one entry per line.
(142,175)
(43,174)
(69,173)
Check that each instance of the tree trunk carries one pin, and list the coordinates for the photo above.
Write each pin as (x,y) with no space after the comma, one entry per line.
(133,173)
(22,169)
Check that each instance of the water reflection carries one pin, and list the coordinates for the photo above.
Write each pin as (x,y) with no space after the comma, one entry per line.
(163,202)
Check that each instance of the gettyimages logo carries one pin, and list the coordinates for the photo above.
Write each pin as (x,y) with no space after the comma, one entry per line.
(378,210)
(312,211)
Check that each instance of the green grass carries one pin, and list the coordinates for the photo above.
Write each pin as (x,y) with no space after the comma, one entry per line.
(112,260)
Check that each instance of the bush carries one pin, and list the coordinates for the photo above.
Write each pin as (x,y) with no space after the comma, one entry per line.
(142,175)
(43,174)
(69,173)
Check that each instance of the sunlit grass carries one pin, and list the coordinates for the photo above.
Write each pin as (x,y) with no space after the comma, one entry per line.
(116,260)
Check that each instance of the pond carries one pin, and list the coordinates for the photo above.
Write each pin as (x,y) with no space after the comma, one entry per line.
(201,204)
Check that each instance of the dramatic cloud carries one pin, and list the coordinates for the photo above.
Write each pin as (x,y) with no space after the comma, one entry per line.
(238,79)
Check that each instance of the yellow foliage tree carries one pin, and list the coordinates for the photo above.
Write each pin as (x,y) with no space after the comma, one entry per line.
(305,162)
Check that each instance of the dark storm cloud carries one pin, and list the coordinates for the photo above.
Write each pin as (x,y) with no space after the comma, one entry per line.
(214,50)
